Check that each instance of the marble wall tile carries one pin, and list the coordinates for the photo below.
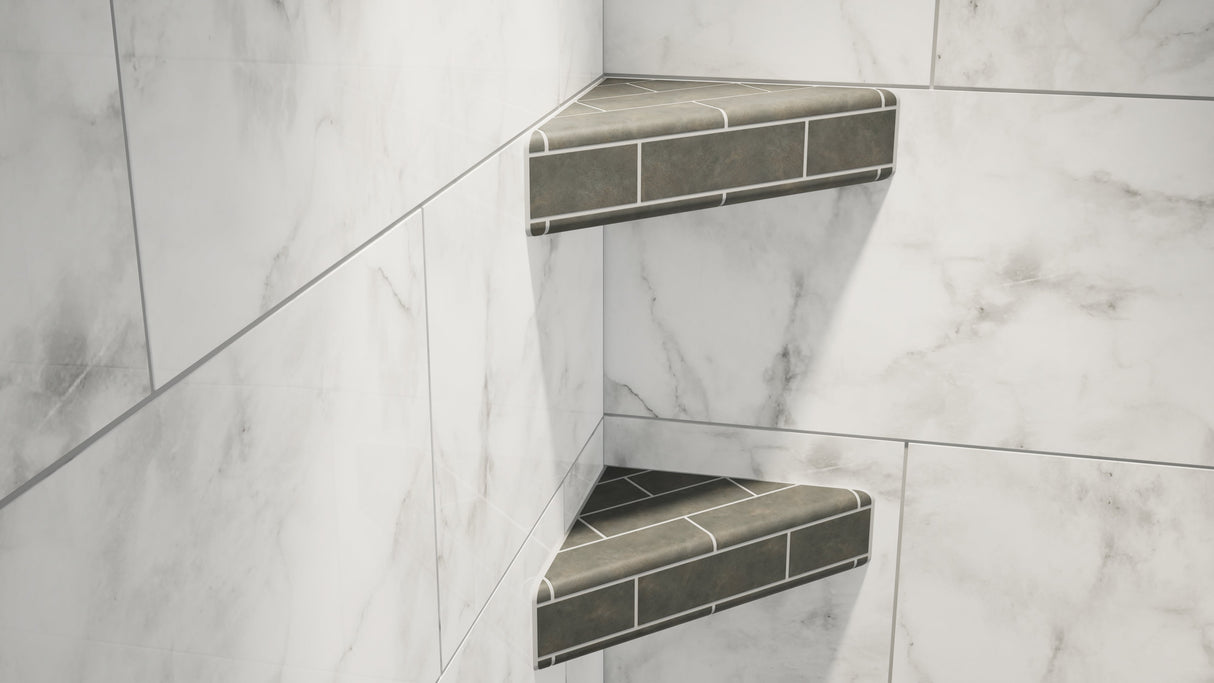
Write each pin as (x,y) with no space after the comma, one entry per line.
(274,506)
(869,41)
(1033,276)
(836,629)
(500,645)
(1022,567)
(72,351)
(1133,46)
(268,140)
(516,371)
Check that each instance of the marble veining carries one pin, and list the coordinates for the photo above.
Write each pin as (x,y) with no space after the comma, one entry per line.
(839,627)
(1035,277)
(273,508)
(1131,46)
(516,371)
(1058,569)
(843,41)
(72,348)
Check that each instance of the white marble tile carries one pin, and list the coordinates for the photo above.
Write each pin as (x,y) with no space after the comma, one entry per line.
(836,629)
(500,645)
(516,372)
(1035,275)
(869,41)
(1036,568)
(274,506)
(320,126)
(1131,46)
(72,351)
(581,45)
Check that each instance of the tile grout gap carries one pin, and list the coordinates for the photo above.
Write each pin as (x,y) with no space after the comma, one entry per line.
(438,606)
(130,184)
(893,621)
(931,78)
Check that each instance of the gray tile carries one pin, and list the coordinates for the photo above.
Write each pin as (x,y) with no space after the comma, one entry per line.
(850,142)
(666,507)
(611,473)
(717,161)
(630,124)
(774,512)
(631,213)
(823,544)
(796,103)
(713,578)
(575,109)
(634,634)
(580,534)
(776,87)
(759,487)
(658,482)
(672,96)
(616,558)
(542,593)
(611,90)
(610,494)
(570,622)
(664,86)
(800,186)
(784,585)
(579,181)
(537,142)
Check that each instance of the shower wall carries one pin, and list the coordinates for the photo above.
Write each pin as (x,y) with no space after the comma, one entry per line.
(364,404)
(1021,316)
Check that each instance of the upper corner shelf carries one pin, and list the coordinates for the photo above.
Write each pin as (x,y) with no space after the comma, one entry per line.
(633,148)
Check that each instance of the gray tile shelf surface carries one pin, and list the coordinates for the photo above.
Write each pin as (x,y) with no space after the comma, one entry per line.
(634,148)
(652,549)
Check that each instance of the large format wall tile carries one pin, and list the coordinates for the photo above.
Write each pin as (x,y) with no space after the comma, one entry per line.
(72,352)
(275,506)
(1034,276)
(516,371)
(870,41)
(1037,568)
(268,140)
(1131,46)
(836,628)
(499,646)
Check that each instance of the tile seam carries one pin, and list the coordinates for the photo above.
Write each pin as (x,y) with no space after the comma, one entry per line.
(709,193)
(712,605)
(706,131)
(705,555)
(642,489)
(664,493)
(438,605)
(724,114)
(890,439)
(714,538)
(739,485)
(805,151)
(893,619)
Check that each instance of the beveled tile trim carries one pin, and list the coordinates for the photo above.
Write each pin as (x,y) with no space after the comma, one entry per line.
(707,163)
(711,579)
(595,564)
(870,142)
(830,542)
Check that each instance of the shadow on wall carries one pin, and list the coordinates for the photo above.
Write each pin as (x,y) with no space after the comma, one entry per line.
(748,266)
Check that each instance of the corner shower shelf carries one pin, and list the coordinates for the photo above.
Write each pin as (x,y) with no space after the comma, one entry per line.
(653,549)
(633,148)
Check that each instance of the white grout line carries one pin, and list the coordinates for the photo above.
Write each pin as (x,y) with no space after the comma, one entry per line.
(591,528)
(551,590)
(636,85)
(592,106)
(708,131)
(739,485)
(804,152)
(636,601)
(642,488)
(544,136)
(878,91)
(712,193)
(684,488)
(693,523)
(724,196)
(711,607)
(640,148)
(723,112)
(703,556)
(893,619)
(858,503)
(592,542)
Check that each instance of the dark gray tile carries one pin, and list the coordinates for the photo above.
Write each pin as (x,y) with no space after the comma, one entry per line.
(632,213)
(885,173)
(634,634)
(672,96)
(658,482)
(782,586)
(665,507)
(664,86)
(865,499)
(611,493)
(890,98)
(704,581)
(545,663)
(575,109)
(613,80)
(580,534)
(630,124)
(800,186)
(580,181)
(611,473)
(773,513)
(757,487)
(617,558)
(848,142)
(543,593)
(776,87)
(537,142)
(611,90)
(823,544)
(573,621)
(795,103)
(718,161)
